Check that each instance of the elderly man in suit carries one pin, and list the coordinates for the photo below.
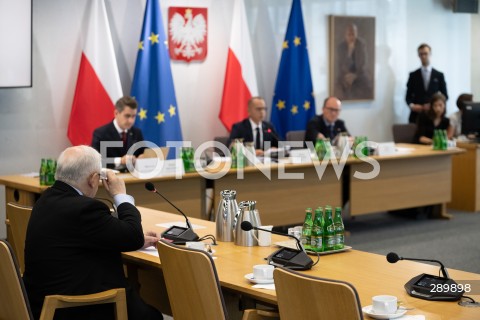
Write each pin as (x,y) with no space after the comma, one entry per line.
(255,128)
(120,129)
(326,125)
(423,83)
(74,245)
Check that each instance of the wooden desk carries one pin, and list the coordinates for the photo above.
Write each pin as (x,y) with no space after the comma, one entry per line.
(465,179)
(283,201)
(417,176)
(370,273)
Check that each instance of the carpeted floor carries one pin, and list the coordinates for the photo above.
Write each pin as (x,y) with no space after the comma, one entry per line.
(455,242)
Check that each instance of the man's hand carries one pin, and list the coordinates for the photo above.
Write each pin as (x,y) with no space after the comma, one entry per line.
(151,239)
(113,184)
(320,136)
(126,158)
(416,107)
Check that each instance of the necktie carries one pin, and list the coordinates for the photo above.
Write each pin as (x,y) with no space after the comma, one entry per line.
(124,138)
(426,78)
(330,127)
(258,144)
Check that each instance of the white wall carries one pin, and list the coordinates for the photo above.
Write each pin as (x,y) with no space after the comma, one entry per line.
(33,121)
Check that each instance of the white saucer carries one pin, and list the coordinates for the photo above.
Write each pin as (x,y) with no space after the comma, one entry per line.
(250,278)
(368,310)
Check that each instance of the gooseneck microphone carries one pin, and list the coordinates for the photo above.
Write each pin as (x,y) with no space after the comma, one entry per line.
(247,226)
(392,257)
(151,187)
(296,259)
(430,287)
(179,235)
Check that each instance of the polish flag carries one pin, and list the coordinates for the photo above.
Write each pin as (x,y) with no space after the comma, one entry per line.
(240,80)
(98,82)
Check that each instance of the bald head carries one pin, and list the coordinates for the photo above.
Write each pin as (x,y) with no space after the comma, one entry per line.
(78,166)
(257,109)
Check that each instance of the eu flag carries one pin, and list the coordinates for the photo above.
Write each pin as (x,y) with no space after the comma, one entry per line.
(152,87)
(293,101)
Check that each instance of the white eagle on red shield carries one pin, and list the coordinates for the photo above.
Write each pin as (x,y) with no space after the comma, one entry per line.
(187,33)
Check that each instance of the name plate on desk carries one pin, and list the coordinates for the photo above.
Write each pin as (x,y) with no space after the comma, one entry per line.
(300,156)
(386,148)
(154,167)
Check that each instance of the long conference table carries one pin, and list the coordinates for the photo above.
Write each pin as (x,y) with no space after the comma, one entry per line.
(370,273)
(414,176)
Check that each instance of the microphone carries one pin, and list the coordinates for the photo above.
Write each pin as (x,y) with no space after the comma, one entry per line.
(247,226)
(426,286)
(392,257)
(179,235)
(296,259)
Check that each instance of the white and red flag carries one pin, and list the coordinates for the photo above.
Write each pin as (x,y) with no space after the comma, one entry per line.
(98,82)
(240,80)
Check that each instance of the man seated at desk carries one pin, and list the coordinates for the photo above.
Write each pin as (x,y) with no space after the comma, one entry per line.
(327,125)
(255,128)
(120,129)
(74,245)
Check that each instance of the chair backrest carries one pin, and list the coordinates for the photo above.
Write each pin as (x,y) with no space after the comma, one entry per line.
(17,220)
(14,302)
(404,133)
(192,283)
(300,296)
(223,140)
(297,135)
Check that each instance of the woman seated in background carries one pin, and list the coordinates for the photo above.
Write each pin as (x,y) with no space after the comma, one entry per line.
(433,119)
(456,118)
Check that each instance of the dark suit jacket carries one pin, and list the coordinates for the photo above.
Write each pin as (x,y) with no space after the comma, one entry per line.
(416,92)
(243,130)
(73,246)
(108,132)
(317,125)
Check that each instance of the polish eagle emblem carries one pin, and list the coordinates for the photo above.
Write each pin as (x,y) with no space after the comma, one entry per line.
(187,33)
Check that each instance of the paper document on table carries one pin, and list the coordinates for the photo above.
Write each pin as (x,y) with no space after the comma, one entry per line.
(149,250)
(179,224)
(270,286)
(409,317)
(402,150)
(31,174)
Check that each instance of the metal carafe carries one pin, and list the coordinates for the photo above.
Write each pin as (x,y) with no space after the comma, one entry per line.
(247,212)
(226,213)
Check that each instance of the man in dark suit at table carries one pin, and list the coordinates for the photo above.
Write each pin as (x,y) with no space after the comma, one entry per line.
(74,245)
(326,125)
(120,129)
(255,128)
(422,84)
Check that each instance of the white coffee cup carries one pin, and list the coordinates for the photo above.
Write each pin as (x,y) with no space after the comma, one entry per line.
(195,245)
(263,271)
(384,304)
(264,238)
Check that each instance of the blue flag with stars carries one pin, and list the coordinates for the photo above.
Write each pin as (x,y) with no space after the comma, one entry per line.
(152,86)
(293,101)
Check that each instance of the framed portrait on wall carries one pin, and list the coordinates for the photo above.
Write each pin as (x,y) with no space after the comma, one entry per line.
(352,57)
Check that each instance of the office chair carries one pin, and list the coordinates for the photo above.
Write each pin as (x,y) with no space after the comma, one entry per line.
(15,303)
(301,296)
(17,222)
(404,133)
(193,286)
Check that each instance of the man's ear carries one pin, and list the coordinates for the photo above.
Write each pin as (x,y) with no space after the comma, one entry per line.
(91,180)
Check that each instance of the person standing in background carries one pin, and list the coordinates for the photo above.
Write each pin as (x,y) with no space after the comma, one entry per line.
(422,84)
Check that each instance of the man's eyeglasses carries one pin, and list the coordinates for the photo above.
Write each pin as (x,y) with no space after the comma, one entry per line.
(332,109)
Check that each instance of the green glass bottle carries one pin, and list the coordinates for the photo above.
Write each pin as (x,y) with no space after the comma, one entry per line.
(317,231)
(339,229)
(328,230)
(50,176)
(307,229)
(444,145)
(43,172)
(233,152)
(436,142)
